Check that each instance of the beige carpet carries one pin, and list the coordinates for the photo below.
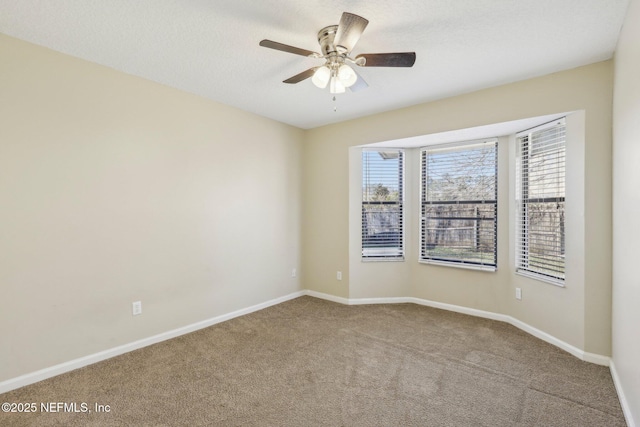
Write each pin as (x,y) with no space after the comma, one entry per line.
(309,362)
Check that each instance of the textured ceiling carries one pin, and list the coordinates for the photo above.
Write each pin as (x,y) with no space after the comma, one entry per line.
(210,47)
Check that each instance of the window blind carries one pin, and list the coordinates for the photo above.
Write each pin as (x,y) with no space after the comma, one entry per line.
(459,204)
(382,200)
(540,175)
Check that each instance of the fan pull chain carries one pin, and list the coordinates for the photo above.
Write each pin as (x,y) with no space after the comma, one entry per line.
(335,109)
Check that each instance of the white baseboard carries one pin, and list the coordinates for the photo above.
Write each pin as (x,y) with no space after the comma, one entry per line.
(626,410)
(52,371)
(461,309)
(580,354)
(327,297)
(392,300)
(71,365)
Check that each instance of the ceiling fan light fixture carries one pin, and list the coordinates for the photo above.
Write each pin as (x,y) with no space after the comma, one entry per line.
(336,44)
(336,85)
(346,75)
(321,77)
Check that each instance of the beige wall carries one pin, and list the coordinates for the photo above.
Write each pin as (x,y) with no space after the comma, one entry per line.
(626,210)
(386,279)
(559,311)
(114,189)
(579,313)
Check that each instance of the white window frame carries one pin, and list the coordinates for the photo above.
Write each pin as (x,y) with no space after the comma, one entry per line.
(423,256)
(556,169)
(383,253)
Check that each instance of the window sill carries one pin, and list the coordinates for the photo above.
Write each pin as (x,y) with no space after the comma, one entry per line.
(382,259)
(541,278)
(488,268)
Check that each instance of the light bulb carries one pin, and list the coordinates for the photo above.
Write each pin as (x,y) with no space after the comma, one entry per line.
(336,86)
(321,77)
(346,75)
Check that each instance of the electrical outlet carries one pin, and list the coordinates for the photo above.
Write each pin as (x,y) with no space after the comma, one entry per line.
(339,275)
(137,308)
(518,293)
(294,273)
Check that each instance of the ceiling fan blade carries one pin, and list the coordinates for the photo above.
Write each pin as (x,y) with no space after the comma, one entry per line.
(397,59)
(302,76)
(359,84)
(349,31)
(286,48)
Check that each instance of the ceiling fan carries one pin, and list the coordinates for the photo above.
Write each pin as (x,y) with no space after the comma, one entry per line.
(336,43)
